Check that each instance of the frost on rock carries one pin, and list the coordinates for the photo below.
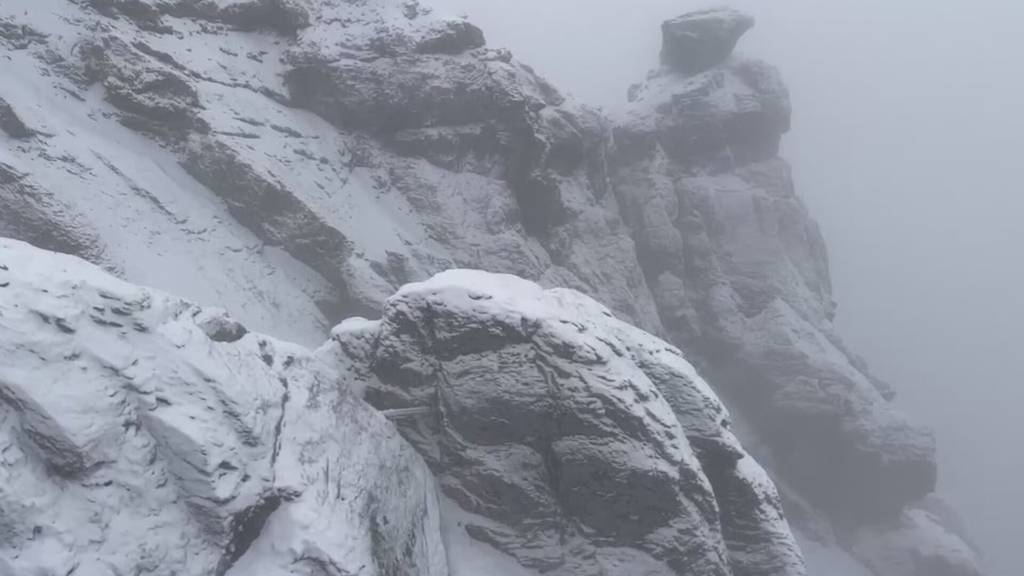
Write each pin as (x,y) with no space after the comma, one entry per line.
(580,443)
(133,440)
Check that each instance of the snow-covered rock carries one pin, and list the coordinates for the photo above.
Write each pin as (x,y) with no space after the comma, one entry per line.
(297,161)
(141,434)
(586,445)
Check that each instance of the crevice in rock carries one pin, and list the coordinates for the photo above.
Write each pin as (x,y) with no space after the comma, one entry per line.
(246,527)
(279,425)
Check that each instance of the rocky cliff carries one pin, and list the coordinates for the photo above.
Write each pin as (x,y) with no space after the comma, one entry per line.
(297,161)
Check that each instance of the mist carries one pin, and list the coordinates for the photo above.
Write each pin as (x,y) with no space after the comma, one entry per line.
(906,144)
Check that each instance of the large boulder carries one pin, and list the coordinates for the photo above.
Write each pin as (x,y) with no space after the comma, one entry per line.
(697,41)
(586,445)
(140,433)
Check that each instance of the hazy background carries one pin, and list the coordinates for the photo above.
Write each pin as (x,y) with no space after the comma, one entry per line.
(908,144)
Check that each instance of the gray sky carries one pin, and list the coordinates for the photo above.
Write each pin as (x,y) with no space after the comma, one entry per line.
(908,144)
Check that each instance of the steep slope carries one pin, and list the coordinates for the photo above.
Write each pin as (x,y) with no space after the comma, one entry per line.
(296,161)
(428,152)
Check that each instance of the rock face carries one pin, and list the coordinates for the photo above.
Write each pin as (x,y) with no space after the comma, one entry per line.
(542,405)
(297,161)
(142,434)
(741,277)
(740,274)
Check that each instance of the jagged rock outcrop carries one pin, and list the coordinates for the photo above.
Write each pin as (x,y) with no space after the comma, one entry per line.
(697,41)
(741,277)
(589,446)
(296,161)
(142,434)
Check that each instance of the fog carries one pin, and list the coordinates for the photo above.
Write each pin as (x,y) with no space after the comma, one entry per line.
(907,144)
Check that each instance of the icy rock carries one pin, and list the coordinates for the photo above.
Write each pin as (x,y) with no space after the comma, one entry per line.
(697,41)
(542,404)
(131,441)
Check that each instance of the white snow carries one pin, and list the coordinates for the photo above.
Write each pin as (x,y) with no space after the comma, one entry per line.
(132,440)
